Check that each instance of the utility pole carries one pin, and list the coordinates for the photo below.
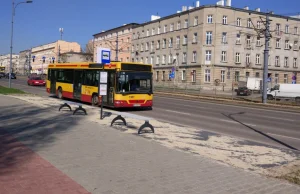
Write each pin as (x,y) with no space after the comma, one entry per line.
(117,46)
(266,58)
(29,60)
(61,30)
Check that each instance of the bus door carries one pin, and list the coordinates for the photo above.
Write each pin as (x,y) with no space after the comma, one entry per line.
(52,78)
(77,84)
(108,100)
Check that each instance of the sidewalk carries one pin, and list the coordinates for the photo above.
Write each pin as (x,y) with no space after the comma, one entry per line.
(70,154)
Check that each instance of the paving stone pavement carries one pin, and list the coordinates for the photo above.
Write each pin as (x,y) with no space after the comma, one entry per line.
(107,161)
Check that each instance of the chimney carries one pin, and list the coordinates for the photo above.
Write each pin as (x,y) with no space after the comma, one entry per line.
(197,3)
(257,9)
(220,3)
(228,3)
(246,8)
(184,8)
(191,7)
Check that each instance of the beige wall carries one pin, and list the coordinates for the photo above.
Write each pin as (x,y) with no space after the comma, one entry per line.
(5,61)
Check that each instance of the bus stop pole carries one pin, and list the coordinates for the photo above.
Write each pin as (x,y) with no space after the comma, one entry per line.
(101,116)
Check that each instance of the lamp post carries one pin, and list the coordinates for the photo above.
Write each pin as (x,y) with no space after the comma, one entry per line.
(12,32)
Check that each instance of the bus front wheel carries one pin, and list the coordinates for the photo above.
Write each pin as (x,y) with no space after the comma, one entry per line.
(95,100)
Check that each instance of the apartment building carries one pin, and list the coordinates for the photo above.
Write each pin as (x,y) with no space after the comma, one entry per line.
(43,55)
(109,39)
(5,62)
(217,44)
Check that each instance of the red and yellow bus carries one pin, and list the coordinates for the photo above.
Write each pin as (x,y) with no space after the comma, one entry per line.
(128,84)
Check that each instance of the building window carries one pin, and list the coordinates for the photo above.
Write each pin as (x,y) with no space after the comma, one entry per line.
(238,39)
(195,39)
(158,44)
(224,19)
(207,75)
(257,75)
(178,25)
(152,60)
(153,32)
(237,57)
(296,30)
(247,58)
(194,76)
(224,37)
(295,63)
(186,23)
(208,38)
(184,39)
(132,48)
(137,47)
(152,46)
(170,58)
(258,43)
(178,42)
(247,74)
(157,60)
(194,56)
(258,24)
(276,78)
(277,43)
(170,42)
(165,28)
(237,76)
(249,23)
(157,75)
(142,47)
(158,30)
(223,56)
(287,46)
(127,59)
(172,27)
(196,21)
(147,46)
(163,59)
(148,33)
(257,61)
(238,22)
(164,43)
(287,29)
(183,75)
(146,60)
(209,19)
(222,76)
(142,60)
(163,76)
(286,62)
(285,77)
(208,55)
(277,61)
(184,58)
(295,45)
(248,42)
(277,29)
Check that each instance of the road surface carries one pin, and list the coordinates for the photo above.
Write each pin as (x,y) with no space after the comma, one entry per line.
(272,127)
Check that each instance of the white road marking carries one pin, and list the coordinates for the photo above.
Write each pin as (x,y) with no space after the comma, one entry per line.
(183,113)
(234,122)
(230,105)
(284,136)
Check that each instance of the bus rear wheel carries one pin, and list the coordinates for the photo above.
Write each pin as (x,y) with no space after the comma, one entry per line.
(95,100)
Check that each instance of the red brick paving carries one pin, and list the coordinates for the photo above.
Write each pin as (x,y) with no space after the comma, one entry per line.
(22,171)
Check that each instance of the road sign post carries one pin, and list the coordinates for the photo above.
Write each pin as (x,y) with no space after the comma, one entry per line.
(102,89)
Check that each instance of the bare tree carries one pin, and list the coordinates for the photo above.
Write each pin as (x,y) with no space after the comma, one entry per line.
(89,47)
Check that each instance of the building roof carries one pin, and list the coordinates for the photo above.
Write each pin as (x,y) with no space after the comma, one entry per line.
(117,28)
(218,6)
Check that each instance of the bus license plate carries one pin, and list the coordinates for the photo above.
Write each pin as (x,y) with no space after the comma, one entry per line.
(136,105)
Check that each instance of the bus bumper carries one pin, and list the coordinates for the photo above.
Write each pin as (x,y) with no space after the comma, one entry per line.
(124,103)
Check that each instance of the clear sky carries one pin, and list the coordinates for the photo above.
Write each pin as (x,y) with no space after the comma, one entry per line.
(38,23)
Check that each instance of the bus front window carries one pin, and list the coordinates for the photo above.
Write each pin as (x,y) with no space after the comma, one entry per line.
(135,82)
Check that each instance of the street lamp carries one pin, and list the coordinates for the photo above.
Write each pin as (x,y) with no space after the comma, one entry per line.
(12,32)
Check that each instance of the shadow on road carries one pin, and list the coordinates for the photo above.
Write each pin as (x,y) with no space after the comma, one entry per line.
(230,116)
(24,127)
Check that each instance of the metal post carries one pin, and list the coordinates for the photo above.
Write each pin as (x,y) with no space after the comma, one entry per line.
(11,42)
(117,46)
(101,116)
(266,57)
(29,61)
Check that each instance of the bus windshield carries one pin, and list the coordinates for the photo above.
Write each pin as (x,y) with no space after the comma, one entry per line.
(134,82)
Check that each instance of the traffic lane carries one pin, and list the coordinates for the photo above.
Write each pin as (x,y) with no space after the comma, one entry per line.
(214,106)
(289,124)
(39,90)
(222,126)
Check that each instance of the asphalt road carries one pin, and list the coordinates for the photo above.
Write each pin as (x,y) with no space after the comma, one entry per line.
(273,127)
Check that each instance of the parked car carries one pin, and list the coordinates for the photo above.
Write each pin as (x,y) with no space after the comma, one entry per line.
(2,75)
(36,81)
(12,76)
(243,91)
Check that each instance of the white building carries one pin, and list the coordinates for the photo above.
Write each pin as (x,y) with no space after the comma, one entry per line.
(5,62)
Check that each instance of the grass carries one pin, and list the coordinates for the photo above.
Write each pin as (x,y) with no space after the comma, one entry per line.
(4,90)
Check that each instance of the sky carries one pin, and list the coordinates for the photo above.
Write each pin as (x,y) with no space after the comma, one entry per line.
(39,22)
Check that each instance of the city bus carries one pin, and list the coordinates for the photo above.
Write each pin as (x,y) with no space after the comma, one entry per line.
(2,69)
(128,84)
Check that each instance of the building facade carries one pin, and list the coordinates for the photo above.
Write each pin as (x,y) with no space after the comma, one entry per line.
(76,57)
(24,62)
(43,55)
(5,62)
(117,40)
(217,45)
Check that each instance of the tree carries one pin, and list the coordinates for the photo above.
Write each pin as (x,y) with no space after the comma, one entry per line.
(90,47)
